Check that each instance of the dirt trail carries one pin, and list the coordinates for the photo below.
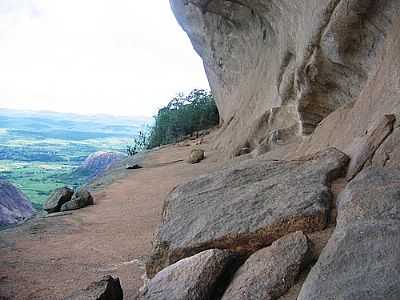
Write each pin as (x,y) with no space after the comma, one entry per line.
(49,258)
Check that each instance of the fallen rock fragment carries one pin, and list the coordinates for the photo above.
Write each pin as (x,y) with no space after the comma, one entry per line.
(362,258)
(195,278)
(106,289)
(246,207)
(196,156)
(133,166)
(57,199)
(80,199)
(270,272)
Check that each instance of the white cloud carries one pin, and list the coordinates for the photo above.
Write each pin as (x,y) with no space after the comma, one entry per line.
(93,56)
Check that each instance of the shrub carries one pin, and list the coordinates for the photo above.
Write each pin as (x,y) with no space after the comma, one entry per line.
(139,144)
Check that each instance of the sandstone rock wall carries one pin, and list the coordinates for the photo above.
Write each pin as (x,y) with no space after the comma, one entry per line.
(280,67)
(319,78)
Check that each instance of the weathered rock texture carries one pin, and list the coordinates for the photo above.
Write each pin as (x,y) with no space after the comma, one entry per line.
(363,150)
(14,206)
(362,258)
(196,156)
(57,199)
(80,199)
(292,78)
(388,154)
(246,207)
(106,289)
(278,68)
(270,272)
(195,278)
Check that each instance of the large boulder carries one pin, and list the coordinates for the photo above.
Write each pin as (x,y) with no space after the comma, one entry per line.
(362,258)
(270,272)
(57,199)
(107,288)
(14,206)
(246,207)
(195,278)
(80,199)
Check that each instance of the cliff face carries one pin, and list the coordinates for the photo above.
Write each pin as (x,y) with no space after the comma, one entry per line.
(314,85)
(280,68)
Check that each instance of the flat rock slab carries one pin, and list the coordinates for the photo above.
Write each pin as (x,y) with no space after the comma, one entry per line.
(270,272)
(362,258)
(106,289)
(246,207)
(195,278)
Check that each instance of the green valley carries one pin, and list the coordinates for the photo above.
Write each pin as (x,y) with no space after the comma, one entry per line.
(40,151)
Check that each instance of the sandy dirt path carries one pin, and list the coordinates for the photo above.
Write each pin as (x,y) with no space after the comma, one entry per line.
(49,258)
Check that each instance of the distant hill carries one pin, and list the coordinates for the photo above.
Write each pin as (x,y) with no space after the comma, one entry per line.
(69,126)
(14,206)
(39,151)
(97,163)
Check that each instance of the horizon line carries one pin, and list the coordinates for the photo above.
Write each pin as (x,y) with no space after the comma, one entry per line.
(75,113)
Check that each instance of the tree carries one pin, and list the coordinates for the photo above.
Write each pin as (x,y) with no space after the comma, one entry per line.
(183,115)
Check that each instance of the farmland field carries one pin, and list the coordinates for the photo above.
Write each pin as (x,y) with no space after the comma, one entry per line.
(39,151)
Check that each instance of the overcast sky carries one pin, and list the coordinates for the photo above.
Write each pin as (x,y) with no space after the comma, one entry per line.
(123,57)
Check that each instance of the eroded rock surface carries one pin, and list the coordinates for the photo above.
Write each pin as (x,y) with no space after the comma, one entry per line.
(365,147)
(195,278)
(108,288)
(80,199)
(246,207)
(57,199)
(362,258)
(270,272)
(278,68)
(388,154)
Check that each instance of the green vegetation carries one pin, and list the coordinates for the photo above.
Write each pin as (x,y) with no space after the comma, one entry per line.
(38,179)
(40,152)
(38,175)
(140,143)
(184,115)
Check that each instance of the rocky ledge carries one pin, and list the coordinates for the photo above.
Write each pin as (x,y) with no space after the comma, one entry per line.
(360,260)
(246,207)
